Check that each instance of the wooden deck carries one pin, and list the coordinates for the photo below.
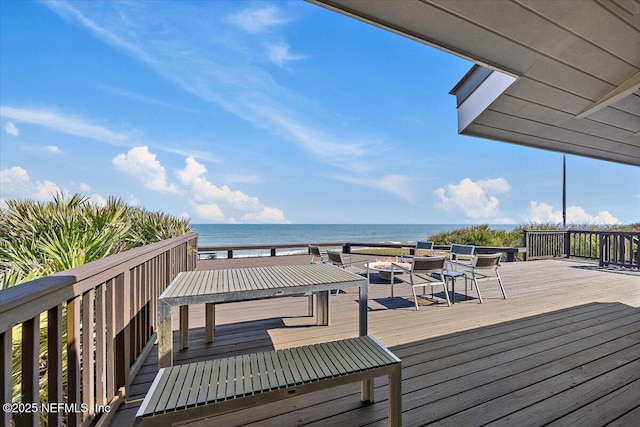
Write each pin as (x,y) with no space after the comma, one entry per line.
(563,349)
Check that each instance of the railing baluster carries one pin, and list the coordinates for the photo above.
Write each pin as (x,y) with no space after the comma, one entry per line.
(101,394)
(74,381)
(110,337)
(30,370)
(6,370)
(88,367)
(54,362)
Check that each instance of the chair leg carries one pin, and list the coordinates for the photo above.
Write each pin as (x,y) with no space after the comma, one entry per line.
(501,287)
(446,293)
(478,289)
(415,297)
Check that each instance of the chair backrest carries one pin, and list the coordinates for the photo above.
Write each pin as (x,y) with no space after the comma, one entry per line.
(427,263)
(487,260)
(465,250)
(335,257)
(425,245)
(315,251)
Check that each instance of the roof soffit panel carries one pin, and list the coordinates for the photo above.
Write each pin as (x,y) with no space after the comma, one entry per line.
(504,121)
(630,104)
(587,22)
(573,81)
(514,22)
(540,113)
(626,10)
(541,93)
(509,136)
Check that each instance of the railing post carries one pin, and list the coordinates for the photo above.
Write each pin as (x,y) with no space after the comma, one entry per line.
(604,244)
(525,243)
(567,244)
(6,358)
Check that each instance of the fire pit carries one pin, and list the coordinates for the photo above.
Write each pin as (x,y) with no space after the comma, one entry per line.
(385,268)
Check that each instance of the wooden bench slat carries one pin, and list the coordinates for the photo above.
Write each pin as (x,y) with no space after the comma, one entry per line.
(318,365)
(165,392)
(222,380)
(187,386)
(192,398)
(155,391)
(213,382)
(284,369)
(205,382)
(256,373)
(265,378)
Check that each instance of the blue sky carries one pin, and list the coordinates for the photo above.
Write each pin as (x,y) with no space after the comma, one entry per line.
(264,112)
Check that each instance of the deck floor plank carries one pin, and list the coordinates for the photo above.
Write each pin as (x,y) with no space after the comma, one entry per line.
(564,348)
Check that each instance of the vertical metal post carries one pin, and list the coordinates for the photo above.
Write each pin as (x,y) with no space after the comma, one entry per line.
(564,191)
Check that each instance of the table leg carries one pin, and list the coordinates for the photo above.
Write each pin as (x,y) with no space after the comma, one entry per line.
(322,318)
(210,321)
(165,335)
(453,290)
(310,309)
(395,396)
(184,327)
(366,387)
(364,309)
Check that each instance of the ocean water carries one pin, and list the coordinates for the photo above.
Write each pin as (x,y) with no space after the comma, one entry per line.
(246,234)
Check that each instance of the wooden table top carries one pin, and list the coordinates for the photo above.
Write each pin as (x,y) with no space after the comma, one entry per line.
(255,282)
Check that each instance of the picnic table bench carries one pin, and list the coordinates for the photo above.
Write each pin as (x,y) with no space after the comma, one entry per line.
(198,390)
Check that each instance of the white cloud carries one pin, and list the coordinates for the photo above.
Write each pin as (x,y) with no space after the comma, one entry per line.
(207,198)
(133,200)
(207,211)
(544,212)
(83,186)
(64,124)
(258,19)
(11,129)
(266,215)
(476,200)
(142,165)
(279,54)
(15,183)
(53,149)
(97,199)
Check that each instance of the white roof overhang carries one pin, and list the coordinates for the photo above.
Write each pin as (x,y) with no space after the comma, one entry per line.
(559,75)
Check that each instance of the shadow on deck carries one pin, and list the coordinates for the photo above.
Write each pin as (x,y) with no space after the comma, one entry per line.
(543,356)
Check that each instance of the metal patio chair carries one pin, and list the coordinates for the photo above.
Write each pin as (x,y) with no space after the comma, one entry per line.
(482,267)
(425,271)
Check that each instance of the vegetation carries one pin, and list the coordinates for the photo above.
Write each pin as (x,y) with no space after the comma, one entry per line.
(38,239)
(482,235)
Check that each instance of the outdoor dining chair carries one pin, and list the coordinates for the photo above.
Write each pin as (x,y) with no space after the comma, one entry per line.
(342,260)
(461,253)
(425,271)
(317,252)
(482,267)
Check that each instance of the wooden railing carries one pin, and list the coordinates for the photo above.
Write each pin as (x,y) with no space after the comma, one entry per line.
(204,251)
(101,317)
(620,249)
(545,244)
(617,248)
